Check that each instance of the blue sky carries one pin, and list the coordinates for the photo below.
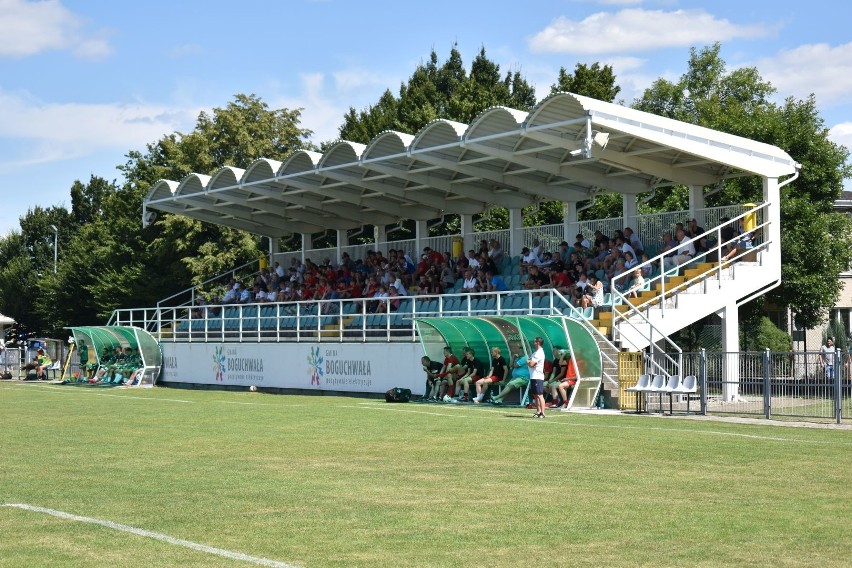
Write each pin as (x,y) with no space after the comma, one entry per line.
(83,82)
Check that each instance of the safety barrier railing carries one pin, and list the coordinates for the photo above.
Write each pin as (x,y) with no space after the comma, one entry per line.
(803,385)
(357,319)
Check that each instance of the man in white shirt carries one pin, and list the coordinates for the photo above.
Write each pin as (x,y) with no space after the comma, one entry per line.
(528,258)
(536,248)
(472,261)
(685,251)
(536,364)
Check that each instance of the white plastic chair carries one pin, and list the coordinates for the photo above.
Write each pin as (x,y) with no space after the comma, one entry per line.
(671,385)
(642,386)
(688,387)
(658,386)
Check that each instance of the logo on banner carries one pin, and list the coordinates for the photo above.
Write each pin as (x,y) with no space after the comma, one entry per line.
(315,365)
(220,362)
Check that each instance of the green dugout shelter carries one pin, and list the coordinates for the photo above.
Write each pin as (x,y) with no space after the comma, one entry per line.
(514,335)
(105,339)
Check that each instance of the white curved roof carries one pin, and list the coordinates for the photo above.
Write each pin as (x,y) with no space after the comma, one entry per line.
(505,157)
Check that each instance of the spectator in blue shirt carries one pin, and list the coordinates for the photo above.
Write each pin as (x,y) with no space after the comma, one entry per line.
(495,282)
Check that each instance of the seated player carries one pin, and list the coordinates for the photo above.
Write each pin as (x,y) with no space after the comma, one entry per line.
(433,370)
(495,375)
(473,370)
(44,361)
(557,372)
(520,379)
(447,375)
(568,381)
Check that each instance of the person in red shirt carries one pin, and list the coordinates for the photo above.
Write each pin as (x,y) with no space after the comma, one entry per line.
(562,282)
(447,376)
(568,381)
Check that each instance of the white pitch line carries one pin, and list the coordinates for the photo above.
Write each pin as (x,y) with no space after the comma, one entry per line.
(155,535)
(550,420)
(76,391)
(407,410)
(258,403)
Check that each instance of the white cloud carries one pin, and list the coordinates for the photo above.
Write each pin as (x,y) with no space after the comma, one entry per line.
(28,28)
(821,69)
(354,79)
(57,131)
(842,134)
(323,108)
(636,29)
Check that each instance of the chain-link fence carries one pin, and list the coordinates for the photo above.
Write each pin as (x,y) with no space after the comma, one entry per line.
(802,384)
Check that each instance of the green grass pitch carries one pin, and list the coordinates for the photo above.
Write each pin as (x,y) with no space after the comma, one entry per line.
(337,481)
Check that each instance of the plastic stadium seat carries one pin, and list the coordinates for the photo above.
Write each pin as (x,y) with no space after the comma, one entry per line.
(658,386)
(688,386)
(671,385)
(641,387)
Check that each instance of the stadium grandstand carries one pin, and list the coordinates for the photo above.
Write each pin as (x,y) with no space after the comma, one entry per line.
(346,318)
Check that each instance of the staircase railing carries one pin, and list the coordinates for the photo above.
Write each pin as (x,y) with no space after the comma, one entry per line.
(600,337)
(192,290)
(635,310)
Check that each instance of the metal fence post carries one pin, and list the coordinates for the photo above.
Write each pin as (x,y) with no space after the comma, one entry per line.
(767,387)
(702,379)
(838,392)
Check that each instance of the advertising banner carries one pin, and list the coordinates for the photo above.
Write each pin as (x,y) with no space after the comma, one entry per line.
(356,367)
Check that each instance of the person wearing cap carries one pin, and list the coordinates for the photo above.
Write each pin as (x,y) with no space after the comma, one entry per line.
(536,365)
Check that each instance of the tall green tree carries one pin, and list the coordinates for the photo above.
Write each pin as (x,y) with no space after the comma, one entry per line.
(595,81)
(816,244)
(107,259)
(440,90)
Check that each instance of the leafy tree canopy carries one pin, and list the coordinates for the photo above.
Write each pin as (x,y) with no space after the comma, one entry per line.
(816,244)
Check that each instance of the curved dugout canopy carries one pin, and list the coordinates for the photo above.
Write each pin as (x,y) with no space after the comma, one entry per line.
(513,335)
(105,339)
(568,148)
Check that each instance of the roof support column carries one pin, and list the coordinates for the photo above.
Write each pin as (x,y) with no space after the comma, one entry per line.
(380,236)
(273,250)
(342,241)
(772,196)
(696,204)
(628,210)
(421,233)
(516,231)
(466,226)
(731,349)
(570,222)
(307,244)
